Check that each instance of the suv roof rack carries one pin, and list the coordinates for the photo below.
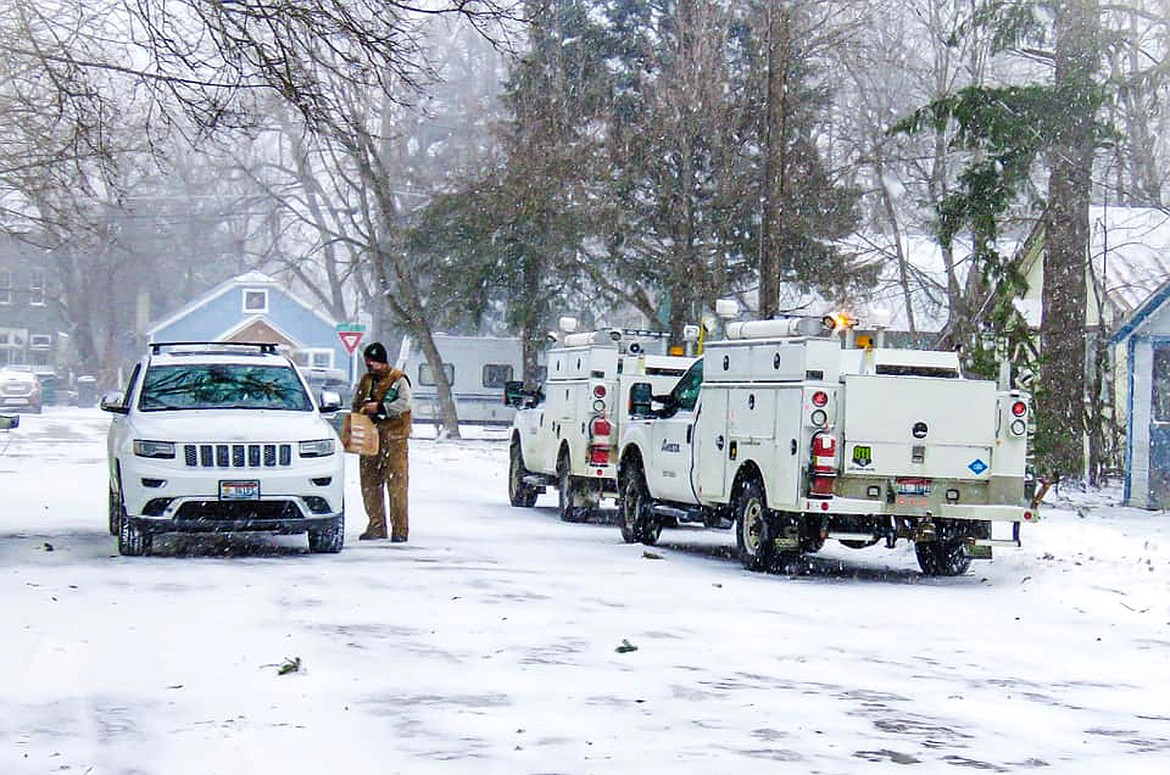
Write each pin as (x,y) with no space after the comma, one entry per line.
(259,348)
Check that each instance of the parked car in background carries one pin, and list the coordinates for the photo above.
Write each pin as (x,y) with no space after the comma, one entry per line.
(20,388)
(321,379)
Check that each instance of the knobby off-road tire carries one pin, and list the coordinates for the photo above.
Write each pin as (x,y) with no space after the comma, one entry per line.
(567,494)
(637,521)
(519,493)
(753,527)
(328,541)
(943,558)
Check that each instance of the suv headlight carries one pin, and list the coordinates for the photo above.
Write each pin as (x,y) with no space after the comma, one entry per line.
(160,449)
(317,448)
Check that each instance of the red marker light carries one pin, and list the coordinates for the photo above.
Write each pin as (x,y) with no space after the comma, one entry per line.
(1019,408)
(820,398)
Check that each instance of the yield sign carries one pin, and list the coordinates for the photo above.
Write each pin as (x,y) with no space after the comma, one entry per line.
(351,340)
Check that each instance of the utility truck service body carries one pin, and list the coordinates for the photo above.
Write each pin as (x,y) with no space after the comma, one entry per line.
(565,434)
(792,439)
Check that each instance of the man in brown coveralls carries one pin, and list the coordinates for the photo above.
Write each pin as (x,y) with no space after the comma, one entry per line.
(384,394)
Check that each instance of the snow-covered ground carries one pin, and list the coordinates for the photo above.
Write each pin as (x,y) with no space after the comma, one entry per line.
(493,641)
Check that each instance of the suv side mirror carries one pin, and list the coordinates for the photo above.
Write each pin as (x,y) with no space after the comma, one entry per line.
(115,402)
(330,402)
(641,399)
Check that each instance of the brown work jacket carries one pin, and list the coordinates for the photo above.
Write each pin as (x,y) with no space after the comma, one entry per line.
(371,389)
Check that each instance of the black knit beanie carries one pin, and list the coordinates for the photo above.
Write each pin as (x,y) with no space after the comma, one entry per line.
(375,352)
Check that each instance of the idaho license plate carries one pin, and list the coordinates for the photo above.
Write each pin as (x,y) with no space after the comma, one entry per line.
(239,490)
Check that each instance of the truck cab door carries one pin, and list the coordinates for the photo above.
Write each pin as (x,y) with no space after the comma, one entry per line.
(671,439)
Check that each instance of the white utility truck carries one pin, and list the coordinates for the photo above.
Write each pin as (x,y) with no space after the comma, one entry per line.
(793,436)
(565,433)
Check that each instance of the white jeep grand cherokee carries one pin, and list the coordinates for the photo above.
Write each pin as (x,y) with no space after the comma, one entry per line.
(222,437)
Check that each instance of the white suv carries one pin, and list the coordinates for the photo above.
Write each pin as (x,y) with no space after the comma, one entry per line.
(222,437)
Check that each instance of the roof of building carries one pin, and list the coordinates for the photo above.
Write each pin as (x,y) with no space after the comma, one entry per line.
(247,279)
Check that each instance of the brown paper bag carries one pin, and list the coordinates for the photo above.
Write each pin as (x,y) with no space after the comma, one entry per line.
(358,434)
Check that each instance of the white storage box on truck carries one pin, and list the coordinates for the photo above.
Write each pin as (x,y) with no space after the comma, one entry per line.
(565,434)
(792,439)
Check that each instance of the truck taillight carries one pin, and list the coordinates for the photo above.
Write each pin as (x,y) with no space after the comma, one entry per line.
(599,391)
(1019,408)
(824,465)
(600,429)
(820,398)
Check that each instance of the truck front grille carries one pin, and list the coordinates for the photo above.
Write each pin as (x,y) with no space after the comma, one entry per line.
(237,455)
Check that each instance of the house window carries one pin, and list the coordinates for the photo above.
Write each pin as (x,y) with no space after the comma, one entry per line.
(314,357)
(5,287)
(496,374)
(36,289)
(426,377)
(255,301)
(40,342)
(1160,407)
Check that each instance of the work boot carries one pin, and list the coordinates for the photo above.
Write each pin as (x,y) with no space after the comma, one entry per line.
(397,539)
(367,536)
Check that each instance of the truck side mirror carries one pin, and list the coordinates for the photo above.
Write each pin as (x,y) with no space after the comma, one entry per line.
(641,399)
(514,393)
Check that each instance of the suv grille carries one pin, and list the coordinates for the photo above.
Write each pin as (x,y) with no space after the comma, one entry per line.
(237,455)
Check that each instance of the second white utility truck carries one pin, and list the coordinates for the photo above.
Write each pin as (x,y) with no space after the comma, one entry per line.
(793,436)
(565,434)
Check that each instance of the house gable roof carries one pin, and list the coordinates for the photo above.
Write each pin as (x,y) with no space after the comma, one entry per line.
(1141,314)
(248,279)
(258,329)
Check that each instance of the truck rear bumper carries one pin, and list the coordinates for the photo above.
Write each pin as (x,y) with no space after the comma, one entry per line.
(865,507)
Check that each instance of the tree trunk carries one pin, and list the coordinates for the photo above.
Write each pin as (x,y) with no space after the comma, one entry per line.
(1061,398)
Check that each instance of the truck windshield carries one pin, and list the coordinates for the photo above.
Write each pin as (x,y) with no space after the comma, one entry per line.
(222,386)
(686,392)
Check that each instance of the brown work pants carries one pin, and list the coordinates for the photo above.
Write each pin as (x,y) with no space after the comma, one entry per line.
(386,471)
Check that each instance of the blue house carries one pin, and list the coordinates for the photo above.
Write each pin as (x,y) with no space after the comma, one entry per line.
(254,307)
(1144,339)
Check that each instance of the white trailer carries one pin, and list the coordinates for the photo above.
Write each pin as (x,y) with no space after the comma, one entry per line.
(477,368)
(795,439)
(565,434)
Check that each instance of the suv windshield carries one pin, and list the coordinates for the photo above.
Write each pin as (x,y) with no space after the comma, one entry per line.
(222,386)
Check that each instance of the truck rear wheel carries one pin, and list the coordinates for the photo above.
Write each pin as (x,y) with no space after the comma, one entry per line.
(637,521)
(943,558)
(568,495)
(519,493)
(752,526)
